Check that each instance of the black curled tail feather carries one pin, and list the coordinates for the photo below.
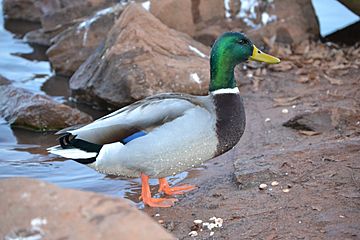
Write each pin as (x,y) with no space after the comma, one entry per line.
(86,146)
(67,143)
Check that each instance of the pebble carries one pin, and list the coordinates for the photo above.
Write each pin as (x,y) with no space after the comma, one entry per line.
(286,190)
(285,110)
(274,183)
(262,186)
(198,221)
(211,234)
(267,119)
(161,221)
(211,226)
(157,215)
(193,233)
(219,222)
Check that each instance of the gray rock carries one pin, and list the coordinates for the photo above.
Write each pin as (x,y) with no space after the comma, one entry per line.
(22,108)
(251,172)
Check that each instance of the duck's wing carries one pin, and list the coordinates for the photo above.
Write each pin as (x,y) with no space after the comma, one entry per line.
(141,116)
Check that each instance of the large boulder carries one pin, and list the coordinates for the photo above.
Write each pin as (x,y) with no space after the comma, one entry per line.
(62,14)
(294,23)
(22,10)
(205,20)
(141,57)
(38,112)
(185,16)
(85,35)
(31,209)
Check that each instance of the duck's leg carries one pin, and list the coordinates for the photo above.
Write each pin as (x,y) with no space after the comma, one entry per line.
(165,188)
(153,202)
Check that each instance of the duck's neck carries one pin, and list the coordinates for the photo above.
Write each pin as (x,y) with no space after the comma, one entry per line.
(221,72)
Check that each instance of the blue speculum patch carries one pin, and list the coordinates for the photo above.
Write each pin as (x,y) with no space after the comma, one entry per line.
(133,136)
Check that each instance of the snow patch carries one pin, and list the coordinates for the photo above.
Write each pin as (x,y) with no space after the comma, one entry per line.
(146,5)
(195,77)
(227,8)
(198,52)
(85,25)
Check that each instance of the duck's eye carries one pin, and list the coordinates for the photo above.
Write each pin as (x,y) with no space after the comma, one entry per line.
(241,41)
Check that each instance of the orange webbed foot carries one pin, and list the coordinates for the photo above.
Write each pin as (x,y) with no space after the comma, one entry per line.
(165,188)
(153,202)
(160,202)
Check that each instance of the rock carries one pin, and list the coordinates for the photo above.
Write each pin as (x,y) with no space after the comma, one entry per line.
(325,120)
(294,23)
(252,172)
(39,210)
(86,36)
(184,16)
(141,57)
(62,14)
(205,20)
(39,37)
(319,121)
(22,108)
(22,10)
(4,81)
(175,14)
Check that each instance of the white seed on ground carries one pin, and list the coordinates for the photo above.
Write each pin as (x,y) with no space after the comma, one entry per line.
(274,183)
(286,190)
(157,215)
(267,119)
(211,234)
(193,233)
(219,222)
(198,221)
(263,186)
(285,110)
(211,226)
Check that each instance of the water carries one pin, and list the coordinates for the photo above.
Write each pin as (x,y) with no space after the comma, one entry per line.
(333,16)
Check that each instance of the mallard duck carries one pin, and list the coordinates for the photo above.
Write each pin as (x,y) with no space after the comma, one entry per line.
(165,134)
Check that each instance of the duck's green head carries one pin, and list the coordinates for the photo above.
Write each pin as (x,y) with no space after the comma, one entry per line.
(230,49)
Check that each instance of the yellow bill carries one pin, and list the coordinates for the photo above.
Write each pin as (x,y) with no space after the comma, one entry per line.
(263,57)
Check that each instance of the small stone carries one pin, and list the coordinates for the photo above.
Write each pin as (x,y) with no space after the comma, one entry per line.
(211,226)
(286,190)
(198,221)
(161,221)
(157,215)
(211,234)
(212,218)
(219,222)
(274,183)
(285,110)
(341,216)
(193,234)
(262,186)
(267,119)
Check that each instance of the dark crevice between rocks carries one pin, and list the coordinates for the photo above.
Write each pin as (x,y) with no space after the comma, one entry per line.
(195,11)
